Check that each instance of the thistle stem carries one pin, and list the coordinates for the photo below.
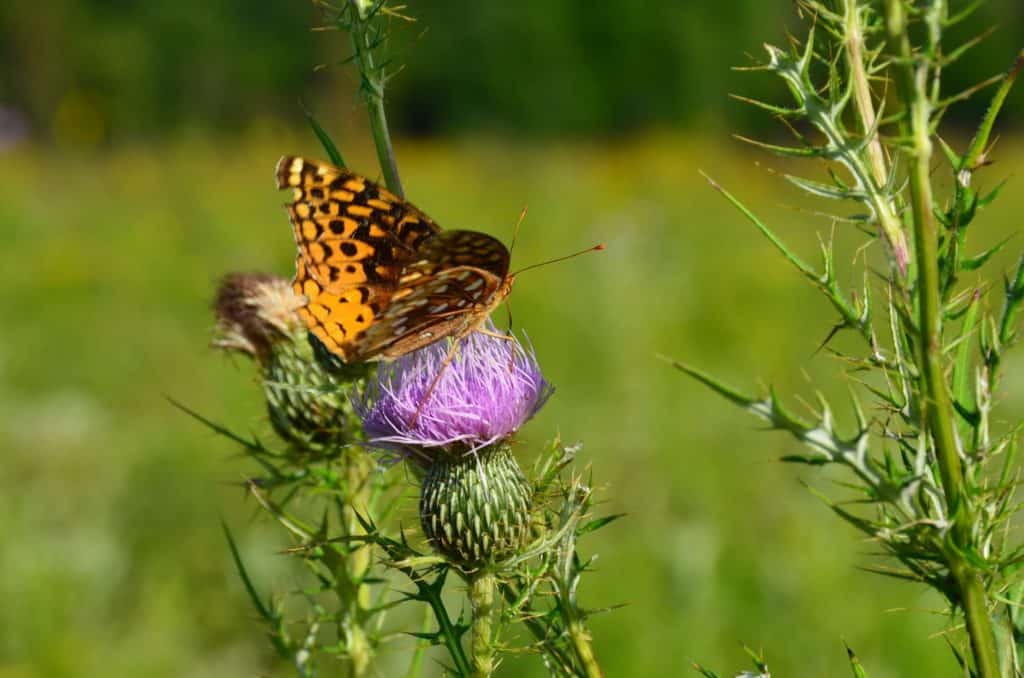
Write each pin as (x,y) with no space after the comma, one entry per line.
(382,140)
(481,597)
(571,615)
(854,44)
(584,651)
(359,468)
(886,213)
(540,631)
(936,407)
(372,88)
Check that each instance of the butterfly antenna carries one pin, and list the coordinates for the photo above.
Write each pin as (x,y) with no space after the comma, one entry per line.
(511,344)
(515,231)
(508,307)
(595,248)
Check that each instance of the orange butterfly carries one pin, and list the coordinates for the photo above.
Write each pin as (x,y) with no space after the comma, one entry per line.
(380,278)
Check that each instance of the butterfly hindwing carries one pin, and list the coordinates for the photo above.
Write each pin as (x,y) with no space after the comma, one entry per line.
(429,307)
(449,249)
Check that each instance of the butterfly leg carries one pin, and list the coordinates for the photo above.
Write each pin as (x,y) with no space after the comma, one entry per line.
(507,337)
(433,384)
(496,335)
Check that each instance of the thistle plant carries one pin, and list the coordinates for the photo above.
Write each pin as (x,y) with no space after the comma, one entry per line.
(454,421)
(317,480)
(448,414)
(932,471)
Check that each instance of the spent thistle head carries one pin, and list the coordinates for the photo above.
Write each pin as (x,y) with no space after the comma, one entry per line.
(254,312)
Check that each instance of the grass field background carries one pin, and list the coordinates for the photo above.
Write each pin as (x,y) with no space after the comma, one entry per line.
(113,558)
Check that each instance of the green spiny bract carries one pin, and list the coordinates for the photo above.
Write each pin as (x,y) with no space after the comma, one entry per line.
(475,506)
(308,405)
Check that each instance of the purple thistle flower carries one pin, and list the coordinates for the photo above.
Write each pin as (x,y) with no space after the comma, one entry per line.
(490,389)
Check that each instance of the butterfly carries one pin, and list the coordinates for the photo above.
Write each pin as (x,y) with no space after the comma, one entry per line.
(380,279)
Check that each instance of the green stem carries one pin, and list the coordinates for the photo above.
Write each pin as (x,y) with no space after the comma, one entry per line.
(372,88)
(574,623)
(446,629)
(584,651)
(854,43)
(382,140)
(481,597)
(359,468)
(886,213)
(539,630)
(936,408)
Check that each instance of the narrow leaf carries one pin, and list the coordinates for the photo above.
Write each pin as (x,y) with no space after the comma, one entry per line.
(325,140)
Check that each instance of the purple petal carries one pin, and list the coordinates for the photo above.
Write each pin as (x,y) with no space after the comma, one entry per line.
(489,390)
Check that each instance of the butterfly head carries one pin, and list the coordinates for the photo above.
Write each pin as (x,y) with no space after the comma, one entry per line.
(506,286)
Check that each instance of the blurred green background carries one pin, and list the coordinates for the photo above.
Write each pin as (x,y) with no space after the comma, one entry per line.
(137,142)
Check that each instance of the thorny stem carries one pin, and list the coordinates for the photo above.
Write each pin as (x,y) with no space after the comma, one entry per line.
(539,630)
(359,468)
(862,90)
(581,643)
(936,407)
(578,635)
(888,217)
(373,94)
(481,597)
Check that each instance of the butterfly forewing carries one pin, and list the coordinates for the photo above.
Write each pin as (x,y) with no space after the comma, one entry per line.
(349,230)
(380,278)
(336,319)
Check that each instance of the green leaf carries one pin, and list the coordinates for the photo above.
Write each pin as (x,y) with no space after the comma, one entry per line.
(783,151)
(251,445)
(767,232)
(979,260)
(981,136)
(855,665)
(963,366)
(325,139)
(825,190)
(273,618)
(951,155)
(598,523)
(986,200)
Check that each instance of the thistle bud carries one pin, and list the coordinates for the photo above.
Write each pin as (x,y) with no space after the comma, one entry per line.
(475,508)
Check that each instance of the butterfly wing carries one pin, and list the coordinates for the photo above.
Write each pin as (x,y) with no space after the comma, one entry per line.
(354,238)
(448,249)
(349,230)
(336,319)
(449,290)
